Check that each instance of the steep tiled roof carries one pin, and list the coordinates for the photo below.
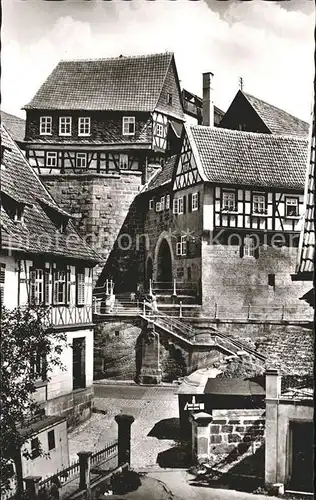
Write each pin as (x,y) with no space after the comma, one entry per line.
(247,158)
(277,120)
(307,242)
(15,125)
(163,176)
(38,234)
(119,84)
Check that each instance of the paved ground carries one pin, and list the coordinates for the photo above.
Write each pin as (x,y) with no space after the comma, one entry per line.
(148,405)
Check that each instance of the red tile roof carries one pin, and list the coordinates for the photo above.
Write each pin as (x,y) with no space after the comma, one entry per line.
(248,158)
(277,120)
(38,234)
(119,84)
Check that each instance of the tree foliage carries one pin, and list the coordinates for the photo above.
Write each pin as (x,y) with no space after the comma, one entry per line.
(27,341)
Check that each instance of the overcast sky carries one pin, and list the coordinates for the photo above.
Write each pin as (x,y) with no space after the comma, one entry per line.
(269,43)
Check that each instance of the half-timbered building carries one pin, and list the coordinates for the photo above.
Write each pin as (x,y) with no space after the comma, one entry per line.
(97,129)
(45,262)
(226,219)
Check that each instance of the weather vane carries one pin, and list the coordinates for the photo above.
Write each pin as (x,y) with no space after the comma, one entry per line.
(241,83)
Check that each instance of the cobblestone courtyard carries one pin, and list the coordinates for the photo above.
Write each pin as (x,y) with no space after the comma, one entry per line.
(148,405)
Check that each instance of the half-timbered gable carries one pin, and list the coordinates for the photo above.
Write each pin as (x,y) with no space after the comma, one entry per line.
(248,113)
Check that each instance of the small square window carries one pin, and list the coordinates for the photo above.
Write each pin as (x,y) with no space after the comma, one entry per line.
(84,124)
(51,159)
(51,439)
(128,125)
(46,125)
(123,161)
(81,160)
(65,125)
(291,207)
(169,98)
(151,204)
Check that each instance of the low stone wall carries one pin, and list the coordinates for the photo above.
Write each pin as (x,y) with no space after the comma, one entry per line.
(236,431)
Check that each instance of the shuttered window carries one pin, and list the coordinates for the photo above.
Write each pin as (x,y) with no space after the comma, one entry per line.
(80,287)
(2,281)
(39,286)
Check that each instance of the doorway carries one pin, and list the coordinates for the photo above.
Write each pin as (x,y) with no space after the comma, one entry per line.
(302,454)
(79,363)
(164,263)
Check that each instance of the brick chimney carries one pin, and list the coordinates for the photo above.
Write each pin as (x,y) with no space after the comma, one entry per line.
(208,104)
(273,384)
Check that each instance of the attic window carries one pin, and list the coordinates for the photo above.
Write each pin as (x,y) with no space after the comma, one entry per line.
(46,125)
(128,125)
(65,125)
(63,224)
(19,215)
(169,98)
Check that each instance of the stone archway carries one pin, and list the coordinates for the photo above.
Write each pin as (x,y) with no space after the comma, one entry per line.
(164,263)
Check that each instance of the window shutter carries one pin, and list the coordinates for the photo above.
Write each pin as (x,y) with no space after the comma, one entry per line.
(175,206)
(68,285)
(80,282)
(198,200)
(184,204)
(46,287)
(190,202)
(2,282)
(55,286)
(32,274)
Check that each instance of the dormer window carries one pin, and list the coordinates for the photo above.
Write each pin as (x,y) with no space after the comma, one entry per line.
(65,125)
(128,125)
(13,208)
(46,125)
(19,214)
(84,125)
(169,98)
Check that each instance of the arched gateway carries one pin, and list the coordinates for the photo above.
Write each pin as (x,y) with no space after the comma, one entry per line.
(164,263)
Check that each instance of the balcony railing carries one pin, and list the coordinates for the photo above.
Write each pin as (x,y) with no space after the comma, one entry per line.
(69,315)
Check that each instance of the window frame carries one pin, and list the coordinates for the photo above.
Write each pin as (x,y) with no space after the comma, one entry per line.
(226,206)
(195,198)
(127,121)
(297,205)
(162,203)
(85,119)
(158,207)
(159,127)
(66,118)
(82,155)
(181,246)
(49,155)
(127,162)
(169,98)
(180,205)
(249,251)
(167,204)
(65,286)
(51,441)
(47,120)
(35,450)
(259,212)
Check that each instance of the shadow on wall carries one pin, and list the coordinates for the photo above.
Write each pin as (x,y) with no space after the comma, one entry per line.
(125,263)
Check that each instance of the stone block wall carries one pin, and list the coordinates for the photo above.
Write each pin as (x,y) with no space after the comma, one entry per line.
(102,201)
(236,432)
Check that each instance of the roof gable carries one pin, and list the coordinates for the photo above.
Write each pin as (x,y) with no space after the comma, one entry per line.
(39,233)
(252,159)
(119,84)
(171,86)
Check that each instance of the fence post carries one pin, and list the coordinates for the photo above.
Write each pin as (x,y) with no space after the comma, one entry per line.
(32,486)
(215,312)
(124,423)
(85,465)
(248,313)
(180,310)
(144,308)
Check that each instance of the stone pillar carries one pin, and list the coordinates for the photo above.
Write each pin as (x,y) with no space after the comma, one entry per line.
(124,423)
(85,465)
(32,486)
(200,436)
(273,392)
(150,372)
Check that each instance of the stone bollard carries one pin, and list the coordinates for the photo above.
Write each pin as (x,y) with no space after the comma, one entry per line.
(200,435)
(124,423)
(32,486)
(85,465)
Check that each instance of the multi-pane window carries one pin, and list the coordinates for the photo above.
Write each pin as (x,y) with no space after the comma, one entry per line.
(259,204)
(249,247)
(51,439)
(291,207)
(128,125)
(51,159)
(59,286)
(159,130)
(80,287)
(178,205)
(81,160)
(123,161)
(167,201)
(65,125)
(151,204)
(2,282)
(182,246)
(195,201)
(229,201)
(39,286)
(38,365)
(84,125)
(46,125)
